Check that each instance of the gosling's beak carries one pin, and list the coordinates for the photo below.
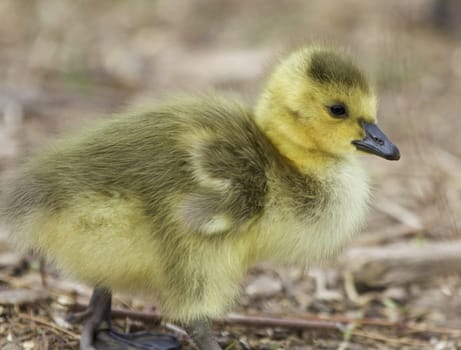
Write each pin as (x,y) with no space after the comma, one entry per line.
(377,143)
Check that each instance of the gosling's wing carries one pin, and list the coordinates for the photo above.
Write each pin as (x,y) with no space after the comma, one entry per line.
(228,169)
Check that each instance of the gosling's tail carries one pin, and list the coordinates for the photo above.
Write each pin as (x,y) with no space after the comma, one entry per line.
(22,203)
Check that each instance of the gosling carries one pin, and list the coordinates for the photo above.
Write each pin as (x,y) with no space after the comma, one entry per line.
(177,201)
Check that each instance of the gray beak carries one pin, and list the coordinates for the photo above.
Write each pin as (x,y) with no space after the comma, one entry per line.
(376,142)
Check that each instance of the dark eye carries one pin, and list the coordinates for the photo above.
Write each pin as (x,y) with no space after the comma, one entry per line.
(338,111)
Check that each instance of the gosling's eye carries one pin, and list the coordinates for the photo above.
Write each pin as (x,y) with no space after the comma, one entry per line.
(338,111)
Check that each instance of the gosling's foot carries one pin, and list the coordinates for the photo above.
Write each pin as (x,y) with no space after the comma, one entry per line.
(110,340)
(202,334)
(97,333)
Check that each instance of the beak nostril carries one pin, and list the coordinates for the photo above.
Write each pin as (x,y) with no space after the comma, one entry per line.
(378,140)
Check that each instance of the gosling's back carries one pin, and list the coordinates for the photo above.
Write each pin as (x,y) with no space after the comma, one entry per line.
(152,156)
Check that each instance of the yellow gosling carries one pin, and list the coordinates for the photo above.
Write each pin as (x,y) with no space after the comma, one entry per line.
(177,201)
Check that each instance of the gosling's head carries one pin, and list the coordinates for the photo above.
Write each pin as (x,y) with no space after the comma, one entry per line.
(318,102)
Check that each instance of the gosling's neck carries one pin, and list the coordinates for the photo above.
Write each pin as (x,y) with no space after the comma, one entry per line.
(279,124)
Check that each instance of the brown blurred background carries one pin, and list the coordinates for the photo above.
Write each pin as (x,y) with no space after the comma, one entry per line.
(63,63)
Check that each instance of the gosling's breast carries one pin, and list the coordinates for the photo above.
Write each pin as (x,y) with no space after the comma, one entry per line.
(312,218)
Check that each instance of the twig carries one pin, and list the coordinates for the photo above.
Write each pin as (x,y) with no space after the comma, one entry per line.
(399,213)
(333,323)
(254,321)
(383,338)
(261,321)
(390,233)
(48,324)
(151,317)
(405,327)
(43,272)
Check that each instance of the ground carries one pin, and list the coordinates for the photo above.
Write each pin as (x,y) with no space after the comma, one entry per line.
(65,63)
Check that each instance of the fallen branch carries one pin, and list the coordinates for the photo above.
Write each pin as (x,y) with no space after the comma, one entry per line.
(402,263)
(337,323)
(262,321)
(231,320)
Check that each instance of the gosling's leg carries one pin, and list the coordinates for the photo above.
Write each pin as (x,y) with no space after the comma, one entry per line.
(98,335)
(97,317)
(202,334)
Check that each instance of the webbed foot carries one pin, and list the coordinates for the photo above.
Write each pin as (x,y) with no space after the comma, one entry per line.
(97,332)
(202,334)
(110,340)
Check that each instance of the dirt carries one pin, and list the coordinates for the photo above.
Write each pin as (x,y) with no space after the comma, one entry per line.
(63,64)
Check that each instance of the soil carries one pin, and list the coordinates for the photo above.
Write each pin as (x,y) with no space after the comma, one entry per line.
(65,63)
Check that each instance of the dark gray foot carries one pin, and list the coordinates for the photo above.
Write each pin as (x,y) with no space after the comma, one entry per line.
(110,340)
(97,333)
(202,335)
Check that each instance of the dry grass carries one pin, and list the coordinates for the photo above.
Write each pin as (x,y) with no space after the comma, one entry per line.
(62,63)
